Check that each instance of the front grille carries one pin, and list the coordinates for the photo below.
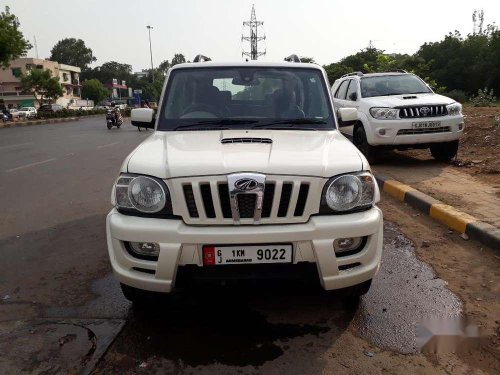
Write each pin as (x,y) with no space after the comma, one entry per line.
(441,129)
(423,111)
(246,205)
(209,203)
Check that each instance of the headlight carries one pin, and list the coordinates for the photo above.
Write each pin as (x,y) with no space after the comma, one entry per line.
(141,193)
(454,109)
(384,113)
(348,192)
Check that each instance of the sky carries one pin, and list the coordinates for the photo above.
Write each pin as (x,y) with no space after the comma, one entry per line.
(326,30)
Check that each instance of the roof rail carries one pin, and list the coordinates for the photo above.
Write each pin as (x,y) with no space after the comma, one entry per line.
(360,74)
(201,58)
(292,58)
(399,71)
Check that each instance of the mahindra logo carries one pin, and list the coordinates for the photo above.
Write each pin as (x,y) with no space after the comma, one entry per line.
(245,184)
(425,110)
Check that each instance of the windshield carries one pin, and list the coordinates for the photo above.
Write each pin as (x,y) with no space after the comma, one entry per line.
(206,98)
(24,109)
(392,85)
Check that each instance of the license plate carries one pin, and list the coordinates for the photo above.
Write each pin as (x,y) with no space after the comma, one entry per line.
(426,124)
(247,254)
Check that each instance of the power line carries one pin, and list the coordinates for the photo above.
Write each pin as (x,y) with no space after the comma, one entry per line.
(253,37)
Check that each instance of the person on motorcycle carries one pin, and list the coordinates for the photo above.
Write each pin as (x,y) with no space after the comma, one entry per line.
(118,114)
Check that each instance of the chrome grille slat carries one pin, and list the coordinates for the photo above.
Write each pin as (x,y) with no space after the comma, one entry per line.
(206,200)
(416,111)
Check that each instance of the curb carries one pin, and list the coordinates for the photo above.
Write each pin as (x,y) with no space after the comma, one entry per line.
(451,217)
(38,122)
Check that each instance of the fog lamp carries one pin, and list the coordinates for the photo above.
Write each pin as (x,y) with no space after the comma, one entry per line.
(460,126)
(342,245)
(149,249)
(381,131)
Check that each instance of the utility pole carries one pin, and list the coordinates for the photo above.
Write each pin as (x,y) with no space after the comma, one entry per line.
(151,52)
(254,37)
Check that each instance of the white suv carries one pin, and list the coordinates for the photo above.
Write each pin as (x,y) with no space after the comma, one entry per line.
(398,110)
(246,175)
(27,112)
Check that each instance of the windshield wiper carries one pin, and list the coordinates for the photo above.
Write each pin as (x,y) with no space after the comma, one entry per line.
(216,123)
(291,124)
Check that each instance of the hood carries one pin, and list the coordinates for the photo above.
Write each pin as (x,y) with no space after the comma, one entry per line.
(399,101)
(201,153)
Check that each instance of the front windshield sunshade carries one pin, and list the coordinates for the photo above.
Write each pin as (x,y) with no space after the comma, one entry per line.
(392,85)
(243,98)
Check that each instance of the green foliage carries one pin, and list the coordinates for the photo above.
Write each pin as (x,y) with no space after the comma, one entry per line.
(70,113)
(72,51)
(164,66)
(109,70)
(94,90)
(12,42)
(42,85)
(178,59)
(484,98)
(457,95)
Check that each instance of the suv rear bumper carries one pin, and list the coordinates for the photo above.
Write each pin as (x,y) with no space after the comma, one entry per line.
(391,128)
(181,245)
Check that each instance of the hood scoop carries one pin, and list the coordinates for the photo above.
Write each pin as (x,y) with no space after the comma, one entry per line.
(410,97)
(246,140)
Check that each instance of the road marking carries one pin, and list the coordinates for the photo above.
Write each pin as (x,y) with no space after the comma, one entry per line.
(30,165)
(16,145)
(108,145)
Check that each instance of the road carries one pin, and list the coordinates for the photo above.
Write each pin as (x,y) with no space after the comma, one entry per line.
(61,310)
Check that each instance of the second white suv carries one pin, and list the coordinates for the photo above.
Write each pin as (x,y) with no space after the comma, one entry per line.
(398,110)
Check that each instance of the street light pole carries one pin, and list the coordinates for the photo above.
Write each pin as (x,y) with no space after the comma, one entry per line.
(151,52)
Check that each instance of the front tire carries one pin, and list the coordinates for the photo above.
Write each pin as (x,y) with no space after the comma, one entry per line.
(444,151)
(109,125)
(361,142)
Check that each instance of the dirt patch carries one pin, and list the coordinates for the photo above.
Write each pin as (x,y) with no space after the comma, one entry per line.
(471,271)
(479,152)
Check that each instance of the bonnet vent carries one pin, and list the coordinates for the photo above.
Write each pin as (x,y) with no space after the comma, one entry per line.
(410,97)
(246,140)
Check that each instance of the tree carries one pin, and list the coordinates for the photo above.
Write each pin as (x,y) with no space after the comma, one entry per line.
(12,42)
(109,70)
(72,51)
(94,90)
(164,66)
(178,59)
(42,85)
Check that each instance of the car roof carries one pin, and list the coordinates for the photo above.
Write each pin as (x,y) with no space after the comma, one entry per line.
(243,64)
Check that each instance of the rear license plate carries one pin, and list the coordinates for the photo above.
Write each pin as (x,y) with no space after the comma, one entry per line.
(426,124)
(247,254)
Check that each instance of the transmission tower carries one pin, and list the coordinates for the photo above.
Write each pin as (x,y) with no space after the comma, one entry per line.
(254,37)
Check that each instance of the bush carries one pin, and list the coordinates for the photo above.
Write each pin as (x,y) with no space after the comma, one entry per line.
(483,98)
(457,95)
(65,112)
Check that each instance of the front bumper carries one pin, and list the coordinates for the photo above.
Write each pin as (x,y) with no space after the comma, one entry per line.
(181,245)
(392,138)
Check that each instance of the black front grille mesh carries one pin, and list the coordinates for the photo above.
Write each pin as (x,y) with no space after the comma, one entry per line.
(190,202)
(246,205)
(423,111)
(301,200)
(208,202)
(267,203)
(286,193)
(225,204)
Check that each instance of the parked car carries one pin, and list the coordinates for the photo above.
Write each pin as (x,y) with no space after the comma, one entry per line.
(14,113)
(398,110)
(245,176)
(49,108)
(27,112)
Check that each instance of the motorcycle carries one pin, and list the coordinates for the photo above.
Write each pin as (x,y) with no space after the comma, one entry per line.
(5,117)
(113,119)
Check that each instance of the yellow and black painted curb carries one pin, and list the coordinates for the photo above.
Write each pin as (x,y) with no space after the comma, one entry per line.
(447,215)
(37,122)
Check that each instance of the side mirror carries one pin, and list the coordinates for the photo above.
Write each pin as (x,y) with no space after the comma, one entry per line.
(353,96)
(347,116)
(143,117)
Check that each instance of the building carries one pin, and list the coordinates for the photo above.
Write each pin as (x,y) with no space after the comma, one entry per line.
(11,94)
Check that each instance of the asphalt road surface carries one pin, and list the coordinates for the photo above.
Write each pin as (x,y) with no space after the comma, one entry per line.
(62,311)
